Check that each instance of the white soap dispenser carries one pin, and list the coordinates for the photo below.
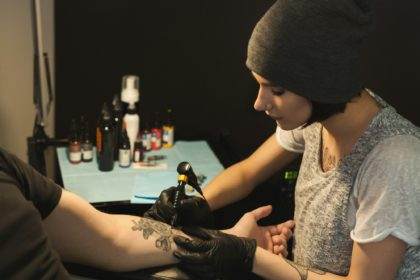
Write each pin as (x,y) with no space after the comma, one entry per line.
(130,94)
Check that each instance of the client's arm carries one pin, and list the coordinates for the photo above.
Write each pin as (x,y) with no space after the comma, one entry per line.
(84,235)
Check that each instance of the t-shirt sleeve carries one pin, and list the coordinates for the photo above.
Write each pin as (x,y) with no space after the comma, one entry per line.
(291,140)
(40,190)
(387,192)
(26,251)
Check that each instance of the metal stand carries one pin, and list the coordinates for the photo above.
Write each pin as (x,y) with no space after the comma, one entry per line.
(39,140)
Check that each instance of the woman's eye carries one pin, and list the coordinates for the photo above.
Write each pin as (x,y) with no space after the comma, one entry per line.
(278,91)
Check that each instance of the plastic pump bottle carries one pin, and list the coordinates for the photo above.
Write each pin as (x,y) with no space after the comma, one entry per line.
(130,94)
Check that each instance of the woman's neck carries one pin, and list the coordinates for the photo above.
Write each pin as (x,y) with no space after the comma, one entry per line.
(345,128)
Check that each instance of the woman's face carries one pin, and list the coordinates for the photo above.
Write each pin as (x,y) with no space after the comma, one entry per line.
(288,109)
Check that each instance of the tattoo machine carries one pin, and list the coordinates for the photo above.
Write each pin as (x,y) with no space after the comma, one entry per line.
(186,175)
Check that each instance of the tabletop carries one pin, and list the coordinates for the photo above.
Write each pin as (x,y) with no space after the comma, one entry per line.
(137,185)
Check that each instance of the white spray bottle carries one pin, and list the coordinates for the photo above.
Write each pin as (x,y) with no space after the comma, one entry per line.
(130,94)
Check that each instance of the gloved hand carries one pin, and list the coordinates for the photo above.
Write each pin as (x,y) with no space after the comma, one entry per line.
(214,254)
(192,210)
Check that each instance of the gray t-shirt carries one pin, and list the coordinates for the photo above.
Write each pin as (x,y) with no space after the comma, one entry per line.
(374,192)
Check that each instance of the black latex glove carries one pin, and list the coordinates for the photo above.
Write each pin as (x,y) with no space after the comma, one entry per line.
(192,210)
(213,254)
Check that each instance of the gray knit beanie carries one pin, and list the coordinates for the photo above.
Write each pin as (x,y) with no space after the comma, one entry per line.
(311,47)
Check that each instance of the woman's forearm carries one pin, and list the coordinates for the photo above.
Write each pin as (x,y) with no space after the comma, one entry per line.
(271,266)
(228,187)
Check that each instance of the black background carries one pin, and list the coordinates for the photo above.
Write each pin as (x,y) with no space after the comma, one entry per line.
(190,56)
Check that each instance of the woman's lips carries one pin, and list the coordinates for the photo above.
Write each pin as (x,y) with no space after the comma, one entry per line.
(272,116)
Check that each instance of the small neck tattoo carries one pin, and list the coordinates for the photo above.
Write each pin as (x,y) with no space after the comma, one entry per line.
(329,161)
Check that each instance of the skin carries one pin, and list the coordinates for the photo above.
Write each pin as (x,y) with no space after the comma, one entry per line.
(340,132)
(273,238)
(375,260)
(240,179)
(288,109)
(82,234)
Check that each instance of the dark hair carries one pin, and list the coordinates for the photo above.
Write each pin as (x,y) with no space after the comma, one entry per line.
(322,111)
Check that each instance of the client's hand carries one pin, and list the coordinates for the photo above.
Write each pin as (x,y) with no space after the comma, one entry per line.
(192,210)
(213,254)
(272,238)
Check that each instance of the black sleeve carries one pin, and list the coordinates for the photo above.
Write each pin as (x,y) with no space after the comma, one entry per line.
(25,250)
(41,191)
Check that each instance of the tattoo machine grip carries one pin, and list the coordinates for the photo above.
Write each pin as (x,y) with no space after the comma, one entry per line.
(186,176)
(182,180)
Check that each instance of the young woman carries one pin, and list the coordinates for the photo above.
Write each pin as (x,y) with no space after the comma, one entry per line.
(357,196)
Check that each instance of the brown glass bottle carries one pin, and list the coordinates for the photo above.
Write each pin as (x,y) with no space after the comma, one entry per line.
(146,137)
(138,154)
(124,155)
(87,146)
(75,149)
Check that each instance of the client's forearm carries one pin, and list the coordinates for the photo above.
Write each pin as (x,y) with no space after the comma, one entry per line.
(81,234)
(141,243)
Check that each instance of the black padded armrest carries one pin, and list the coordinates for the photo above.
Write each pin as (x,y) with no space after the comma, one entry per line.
(161,273)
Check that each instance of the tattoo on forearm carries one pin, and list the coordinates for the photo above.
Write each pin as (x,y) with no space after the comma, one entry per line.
(149,227)
(303,271)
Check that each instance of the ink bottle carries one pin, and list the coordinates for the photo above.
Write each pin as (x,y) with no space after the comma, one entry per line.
(124,158)
(168,130)
(156,142)
(75,149)
(138,155)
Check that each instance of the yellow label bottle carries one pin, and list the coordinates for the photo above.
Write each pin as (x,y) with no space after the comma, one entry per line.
(168,131)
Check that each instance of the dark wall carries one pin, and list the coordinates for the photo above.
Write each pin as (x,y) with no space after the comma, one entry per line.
(190,55)
(391,56)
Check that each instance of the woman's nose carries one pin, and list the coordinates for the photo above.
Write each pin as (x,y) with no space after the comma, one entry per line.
(260,103)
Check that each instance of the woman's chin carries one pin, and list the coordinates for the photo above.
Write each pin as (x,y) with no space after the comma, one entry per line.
(284,125)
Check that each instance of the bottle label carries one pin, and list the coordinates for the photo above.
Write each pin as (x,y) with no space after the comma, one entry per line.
(124,157)
(137,156)
(156,142)
(98,140)
(168,136)
(147,139)
(132,125)
(75,156)
(87,154)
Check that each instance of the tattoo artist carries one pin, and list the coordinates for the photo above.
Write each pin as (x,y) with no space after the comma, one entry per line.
(359,158)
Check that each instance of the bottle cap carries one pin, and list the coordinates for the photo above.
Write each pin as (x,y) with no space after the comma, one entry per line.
(130,89)
(105,112)
(116,103)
